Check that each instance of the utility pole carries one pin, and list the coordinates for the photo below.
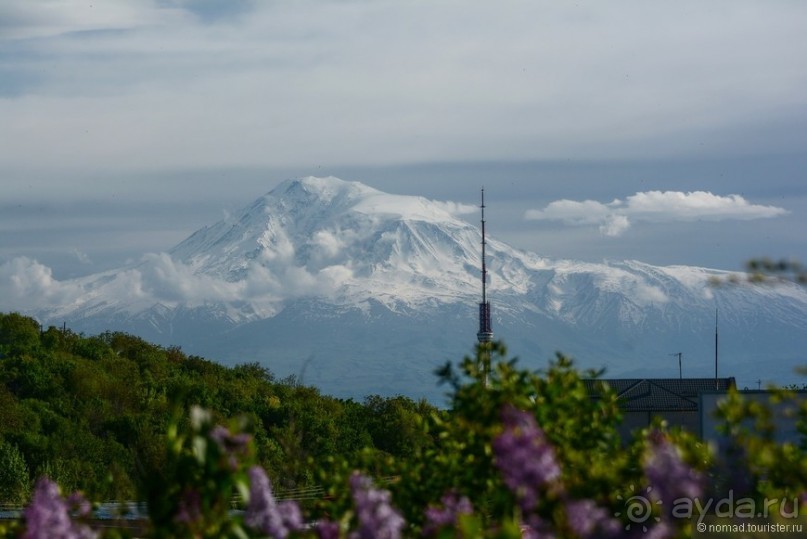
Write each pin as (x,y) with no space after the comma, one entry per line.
(717,383)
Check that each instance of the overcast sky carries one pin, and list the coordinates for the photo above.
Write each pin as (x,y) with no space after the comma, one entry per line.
(668,132)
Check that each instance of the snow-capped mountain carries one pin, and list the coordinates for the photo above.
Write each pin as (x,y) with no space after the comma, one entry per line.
(359,291)
(343,241)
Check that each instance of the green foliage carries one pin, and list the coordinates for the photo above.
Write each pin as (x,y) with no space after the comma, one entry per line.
(582,429)
(93,413)
(772,469)
(201,476)
(15,483)
(767,271)
(763,270)
(395,424)
(18,335)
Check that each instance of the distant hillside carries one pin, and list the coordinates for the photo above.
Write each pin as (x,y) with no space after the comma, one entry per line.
(79,408)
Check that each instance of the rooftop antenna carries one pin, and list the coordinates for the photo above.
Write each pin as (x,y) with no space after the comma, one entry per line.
(680,370)
(717,383)
(485,333)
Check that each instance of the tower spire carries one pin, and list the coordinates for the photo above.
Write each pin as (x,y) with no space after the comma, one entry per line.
(485,333)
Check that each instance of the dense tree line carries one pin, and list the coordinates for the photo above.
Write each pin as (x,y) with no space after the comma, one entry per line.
(91,413)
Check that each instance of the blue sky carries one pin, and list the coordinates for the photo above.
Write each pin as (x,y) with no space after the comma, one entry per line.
(127,125)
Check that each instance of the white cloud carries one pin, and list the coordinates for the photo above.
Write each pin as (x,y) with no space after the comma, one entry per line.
(645,294)
(169,280)
(336,276)
(587,212)
(81,256)
(614,225)
(27,284)
(326,243)
(455,208)
(677,206)
(616,217)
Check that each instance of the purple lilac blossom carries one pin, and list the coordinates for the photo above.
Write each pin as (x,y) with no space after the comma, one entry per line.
(327,529)
(377,518)
(587,519)
(228,441)
(48,515)
(670,477)
(524,457)
(534,527)
(189,509)
(264,514)
(232,445)
(79,504)
(438,517)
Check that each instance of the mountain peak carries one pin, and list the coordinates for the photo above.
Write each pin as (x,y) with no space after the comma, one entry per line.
(341,240)
(325,189)
(345,196)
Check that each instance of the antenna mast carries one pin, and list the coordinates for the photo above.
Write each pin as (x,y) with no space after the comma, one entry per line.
(485,334)
(680,369)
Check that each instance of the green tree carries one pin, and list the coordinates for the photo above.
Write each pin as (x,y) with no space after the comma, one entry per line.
(15,483)
(396,424)
(582,429)
(18,334)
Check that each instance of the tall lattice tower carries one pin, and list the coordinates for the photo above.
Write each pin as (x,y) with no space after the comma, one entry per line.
(485,333)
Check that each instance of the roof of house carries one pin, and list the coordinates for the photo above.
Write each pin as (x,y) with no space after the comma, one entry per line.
(660,394)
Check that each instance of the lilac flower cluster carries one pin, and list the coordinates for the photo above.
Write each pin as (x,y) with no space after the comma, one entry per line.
(524,457)
(231,445)
(327,529)
(670,477)
(528,465)
(264,514)
(534,527)
(453,506)
(48,515)
(189,509)
(587,519)
(377,518)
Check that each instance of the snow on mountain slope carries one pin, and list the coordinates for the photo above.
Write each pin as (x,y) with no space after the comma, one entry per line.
(343,241)
(390,284)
